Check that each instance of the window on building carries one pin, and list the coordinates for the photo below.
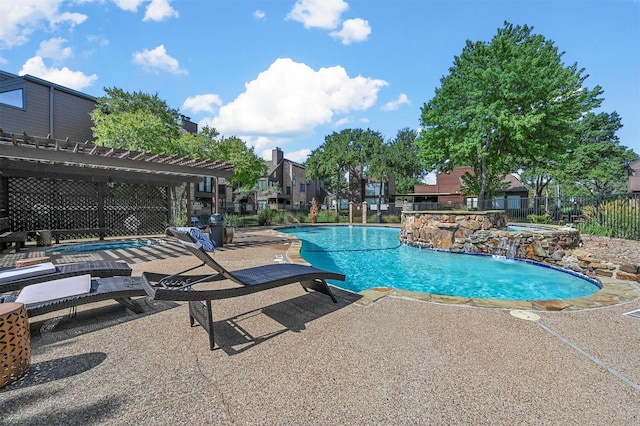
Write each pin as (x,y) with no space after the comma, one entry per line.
(472,203)
(288,190)
(262,184)
(205,185)
(14,98)
(294,179)
(302,187)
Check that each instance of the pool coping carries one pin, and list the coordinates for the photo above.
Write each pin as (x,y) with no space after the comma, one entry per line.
(613,292)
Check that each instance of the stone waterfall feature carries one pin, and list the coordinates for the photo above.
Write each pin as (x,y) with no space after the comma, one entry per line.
(486,233)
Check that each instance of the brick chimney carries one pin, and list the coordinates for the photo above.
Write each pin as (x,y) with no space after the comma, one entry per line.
(276,156)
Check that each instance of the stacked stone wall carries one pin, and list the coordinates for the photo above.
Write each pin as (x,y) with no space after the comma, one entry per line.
(486,233)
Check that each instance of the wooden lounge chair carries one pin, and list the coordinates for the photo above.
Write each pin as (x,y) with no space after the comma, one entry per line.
(18,278)
(79,290)
(179,287)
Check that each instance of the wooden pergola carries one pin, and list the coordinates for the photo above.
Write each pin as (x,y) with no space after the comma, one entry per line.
(25,156)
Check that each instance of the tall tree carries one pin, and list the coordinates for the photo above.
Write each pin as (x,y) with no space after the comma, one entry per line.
(598,163)
(376,162)
(506,104)
(332,160)
(137,121)
(406,165)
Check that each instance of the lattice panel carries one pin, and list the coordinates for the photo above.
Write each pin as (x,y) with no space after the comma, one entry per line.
(62,204)
(136,209)
(52,204)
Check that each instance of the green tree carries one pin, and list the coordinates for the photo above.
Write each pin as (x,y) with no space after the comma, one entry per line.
(209,145)
(376,161)
(333,159)
(406,165)
(598,163)
(136,121)
(507,104)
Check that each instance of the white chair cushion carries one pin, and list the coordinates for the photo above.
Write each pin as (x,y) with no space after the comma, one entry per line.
(27,271)
(56,289)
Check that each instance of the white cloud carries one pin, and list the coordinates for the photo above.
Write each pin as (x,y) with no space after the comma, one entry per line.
(291,98)
(343,121)
(395,104)
(202,103)
(100,41)
(159,10)
(53,49)
(21,18)
(259,15)
(63,76)
(129,5)
(353,31)
(298,156)
(158,60)
(318,13)
(3,60)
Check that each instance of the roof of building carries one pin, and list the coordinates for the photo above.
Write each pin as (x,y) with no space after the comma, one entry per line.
(11,78)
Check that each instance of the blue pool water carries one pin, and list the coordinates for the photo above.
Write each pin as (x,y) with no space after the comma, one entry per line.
(102,245)
(515,229)
(373,257)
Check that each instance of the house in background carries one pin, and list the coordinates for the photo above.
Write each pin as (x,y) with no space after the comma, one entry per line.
(446,193)
(291,180)
(633,184)
(41,108)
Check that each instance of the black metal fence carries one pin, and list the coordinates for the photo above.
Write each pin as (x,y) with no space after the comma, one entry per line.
(615,215)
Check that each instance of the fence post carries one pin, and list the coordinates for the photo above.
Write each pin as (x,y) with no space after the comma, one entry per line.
(350,211)
(364,212)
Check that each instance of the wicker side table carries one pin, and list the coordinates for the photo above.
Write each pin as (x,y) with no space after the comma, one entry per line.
(15,342)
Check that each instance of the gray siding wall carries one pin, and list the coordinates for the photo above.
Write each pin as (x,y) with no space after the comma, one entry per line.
(71,117)
(34,118)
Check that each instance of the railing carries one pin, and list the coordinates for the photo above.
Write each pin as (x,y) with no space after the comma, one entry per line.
(615,215)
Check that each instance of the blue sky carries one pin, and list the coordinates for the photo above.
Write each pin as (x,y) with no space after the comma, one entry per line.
(288,73)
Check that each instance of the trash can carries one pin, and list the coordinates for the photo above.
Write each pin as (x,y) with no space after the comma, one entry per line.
(216,229)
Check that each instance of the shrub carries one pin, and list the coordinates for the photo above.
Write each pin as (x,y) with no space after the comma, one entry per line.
(617,218)
(538,218)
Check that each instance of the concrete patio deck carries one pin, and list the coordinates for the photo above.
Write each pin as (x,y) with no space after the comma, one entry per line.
(290,357)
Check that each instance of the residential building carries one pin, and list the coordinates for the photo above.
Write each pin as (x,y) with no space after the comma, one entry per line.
(447,193)
(633,184)
(291,180)
(40,108)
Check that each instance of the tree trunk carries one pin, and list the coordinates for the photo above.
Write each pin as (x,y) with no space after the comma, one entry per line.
(379,209)
(483,185)
(338,197)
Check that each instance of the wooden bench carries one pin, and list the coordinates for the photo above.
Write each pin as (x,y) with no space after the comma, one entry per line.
(8,237)
(57,233)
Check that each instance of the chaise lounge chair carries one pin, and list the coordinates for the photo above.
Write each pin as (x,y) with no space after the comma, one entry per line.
(18,278)
(179,287)
(79,290)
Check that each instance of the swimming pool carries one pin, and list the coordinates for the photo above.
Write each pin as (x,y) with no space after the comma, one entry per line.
(102,245)
(373,257)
